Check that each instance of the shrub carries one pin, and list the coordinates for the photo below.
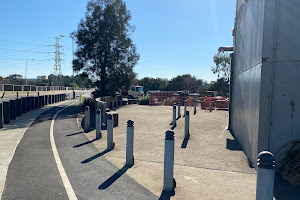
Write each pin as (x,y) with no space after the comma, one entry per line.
(144,101)
(88,102)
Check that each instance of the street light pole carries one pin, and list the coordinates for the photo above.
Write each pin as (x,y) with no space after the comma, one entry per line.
(72,62)
(26,71)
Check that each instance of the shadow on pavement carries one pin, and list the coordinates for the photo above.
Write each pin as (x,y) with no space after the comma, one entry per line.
(114,177)
(184,143)
(74,133)
(79,145)
(233,145)
(95,156)
(283,190)
(166,195)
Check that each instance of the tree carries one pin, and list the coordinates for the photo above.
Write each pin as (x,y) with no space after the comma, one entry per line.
(15,79)
(221,86)
(105,50)
(185,82)
(152,83)
(222,68)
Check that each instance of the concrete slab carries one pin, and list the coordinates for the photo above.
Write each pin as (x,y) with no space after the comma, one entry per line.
(211,160)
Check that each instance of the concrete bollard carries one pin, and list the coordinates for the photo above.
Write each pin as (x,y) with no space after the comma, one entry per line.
(98,124)
(265,176)
(6,112)
(174,116)
(179,115)
(24,104)
(187,125)
(195,106)
(46,100)
(110,142)
(18,107)
(87,119)
(185,104)
(28,104)
(1,115)
(12,106)
(169,182)
(32,103)
(36,102)
(129,144)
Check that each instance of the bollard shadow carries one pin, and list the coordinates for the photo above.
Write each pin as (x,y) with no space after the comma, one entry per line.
(283,190)
(74,134)
(114,177)
(85,143)
(173,127)
(178,117)
(166,195)
(95,156)
(185,142)
(233,145)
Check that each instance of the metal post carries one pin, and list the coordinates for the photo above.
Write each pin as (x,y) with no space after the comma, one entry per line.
(179,110)
(129,144)
(110,143)
(265,176)
(195,106)
(169,182)
(87,119)
(98,124)
(185,103)
(174,116)
(187,125)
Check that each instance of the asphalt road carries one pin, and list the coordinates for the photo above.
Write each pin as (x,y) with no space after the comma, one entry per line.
(33,172)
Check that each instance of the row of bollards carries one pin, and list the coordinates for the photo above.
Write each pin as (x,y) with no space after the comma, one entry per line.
(10,109)
(109,127)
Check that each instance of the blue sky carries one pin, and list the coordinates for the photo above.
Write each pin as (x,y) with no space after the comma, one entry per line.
(173,37)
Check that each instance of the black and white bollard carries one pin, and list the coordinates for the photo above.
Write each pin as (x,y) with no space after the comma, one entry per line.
(129,144)
(110,142)
(169,182)
(195,106)
(187,125)
(179,115)
(98,124)
(265,176)
(185,104)
(174,116)
(87,119)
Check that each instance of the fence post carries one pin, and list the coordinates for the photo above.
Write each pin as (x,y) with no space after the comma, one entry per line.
(265,176)
(169,181)
(110,142)
(174,116)
(87,119)
(98,124)
(187,125)
(179,115)
(185,103)
(195,106)
(129,144)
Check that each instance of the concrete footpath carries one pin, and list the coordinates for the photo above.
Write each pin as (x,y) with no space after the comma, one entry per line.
(11,135)
(210,165)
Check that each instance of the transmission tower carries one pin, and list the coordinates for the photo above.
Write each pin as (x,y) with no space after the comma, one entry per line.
(57,72)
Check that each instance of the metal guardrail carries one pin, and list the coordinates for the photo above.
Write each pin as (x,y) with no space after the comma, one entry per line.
(25,88)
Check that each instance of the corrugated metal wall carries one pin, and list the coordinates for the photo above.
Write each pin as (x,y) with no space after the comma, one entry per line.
(246,80)
(266,75)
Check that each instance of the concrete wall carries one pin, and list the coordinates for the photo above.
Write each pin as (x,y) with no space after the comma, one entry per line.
(266,75)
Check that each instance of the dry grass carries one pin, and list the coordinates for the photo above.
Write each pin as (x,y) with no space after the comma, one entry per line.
(290,167)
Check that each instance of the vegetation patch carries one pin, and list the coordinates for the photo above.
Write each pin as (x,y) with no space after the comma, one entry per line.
(290,165)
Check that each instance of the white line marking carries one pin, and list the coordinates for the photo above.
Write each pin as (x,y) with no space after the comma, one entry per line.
(64,177)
